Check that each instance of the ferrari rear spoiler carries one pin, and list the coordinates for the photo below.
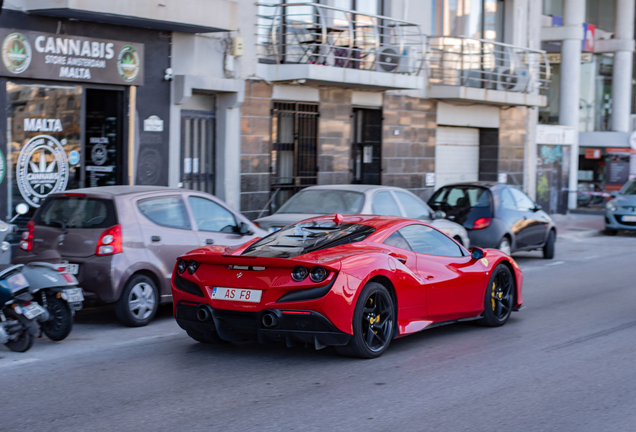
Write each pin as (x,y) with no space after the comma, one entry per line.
(252,261)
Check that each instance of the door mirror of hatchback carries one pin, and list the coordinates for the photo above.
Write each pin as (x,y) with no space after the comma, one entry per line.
(537,207)
(244,229)
(476,253)
(439,215)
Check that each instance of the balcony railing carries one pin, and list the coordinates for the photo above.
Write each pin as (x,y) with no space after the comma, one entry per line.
(310,33)
(478,63)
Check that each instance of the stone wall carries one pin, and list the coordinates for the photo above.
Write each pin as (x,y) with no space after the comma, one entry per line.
(334,136)
(408,147)
(512,138)
(408,142)
(255,147)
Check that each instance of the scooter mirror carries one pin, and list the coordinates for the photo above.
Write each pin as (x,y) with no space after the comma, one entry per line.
(21,209)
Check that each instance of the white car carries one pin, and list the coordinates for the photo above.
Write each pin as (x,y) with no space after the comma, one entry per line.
(360,199)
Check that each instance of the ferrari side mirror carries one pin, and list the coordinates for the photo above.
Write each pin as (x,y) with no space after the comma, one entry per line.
(476,253)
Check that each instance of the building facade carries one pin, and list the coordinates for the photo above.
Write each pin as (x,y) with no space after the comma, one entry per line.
(253,102)
(591,47)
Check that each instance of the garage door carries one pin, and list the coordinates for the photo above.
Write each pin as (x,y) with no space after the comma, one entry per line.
(456,155)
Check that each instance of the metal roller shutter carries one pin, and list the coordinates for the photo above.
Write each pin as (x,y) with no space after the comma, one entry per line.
(456,155)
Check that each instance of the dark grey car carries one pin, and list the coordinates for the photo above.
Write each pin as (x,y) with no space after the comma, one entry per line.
(497,216)
(122,241)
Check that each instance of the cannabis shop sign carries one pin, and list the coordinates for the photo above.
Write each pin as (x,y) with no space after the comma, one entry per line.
(28,54)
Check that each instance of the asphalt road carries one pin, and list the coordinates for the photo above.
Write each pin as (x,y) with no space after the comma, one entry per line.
(565,363)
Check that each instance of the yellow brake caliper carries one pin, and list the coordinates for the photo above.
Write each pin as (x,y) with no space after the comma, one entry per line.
(493,297)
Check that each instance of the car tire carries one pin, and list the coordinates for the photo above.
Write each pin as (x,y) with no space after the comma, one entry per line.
(548,248)
(499,297)
(59,326)
(610,232)
(504,245)
(138,303)
(24,342)
(370,340)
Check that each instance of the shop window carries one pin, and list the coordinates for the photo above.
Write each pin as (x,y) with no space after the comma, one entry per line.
(43,143)
(481,19)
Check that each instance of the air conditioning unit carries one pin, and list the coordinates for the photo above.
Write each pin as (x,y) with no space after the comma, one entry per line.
(388,59)
(408,61)
(513,80)
(479,79)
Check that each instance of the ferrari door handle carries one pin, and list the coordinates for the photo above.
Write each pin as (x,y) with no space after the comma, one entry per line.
(401,258)
(155,239)
(430,277)
(209,241)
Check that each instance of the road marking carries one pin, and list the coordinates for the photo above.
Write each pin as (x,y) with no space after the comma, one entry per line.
(591,257)
(146,338)
(19,362)
(556,263)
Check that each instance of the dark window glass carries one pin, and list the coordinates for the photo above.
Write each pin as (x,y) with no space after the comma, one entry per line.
(385,205)
(629,188)
(524,203)
(462,196)
(211,217)
(396,240)
(324,201)
(306,237)
(426,240)
(413,207)
(77,212)
(165,211)
(507,200)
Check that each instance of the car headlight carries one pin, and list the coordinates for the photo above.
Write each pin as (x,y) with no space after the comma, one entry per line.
(611,206)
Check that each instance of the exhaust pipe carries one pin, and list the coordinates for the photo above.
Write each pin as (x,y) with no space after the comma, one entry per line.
(270,320)
(204,313)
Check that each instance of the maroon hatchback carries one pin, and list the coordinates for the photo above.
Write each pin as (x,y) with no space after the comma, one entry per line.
(122,241)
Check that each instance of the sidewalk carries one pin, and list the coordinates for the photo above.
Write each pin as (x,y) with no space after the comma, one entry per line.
(578,225)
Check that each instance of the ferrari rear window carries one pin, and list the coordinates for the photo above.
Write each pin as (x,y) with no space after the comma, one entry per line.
(302,238)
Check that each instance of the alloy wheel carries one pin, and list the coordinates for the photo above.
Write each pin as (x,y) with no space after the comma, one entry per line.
(501,295)
(377,321)
(504,246)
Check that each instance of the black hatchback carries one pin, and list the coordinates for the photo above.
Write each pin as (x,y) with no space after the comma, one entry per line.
(497,216)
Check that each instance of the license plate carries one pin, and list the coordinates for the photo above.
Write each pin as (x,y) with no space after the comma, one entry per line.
(237,294)
(72,268)
(628,218)
(74,295)
(16,282)
(33,310)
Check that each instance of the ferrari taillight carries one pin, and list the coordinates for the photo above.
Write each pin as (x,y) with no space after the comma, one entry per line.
(481,223)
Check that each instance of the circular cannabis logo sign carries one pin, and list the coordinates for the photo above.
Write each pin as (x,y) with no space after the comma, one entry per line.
(128,63)
(16,53)
(41,169)
(2,166)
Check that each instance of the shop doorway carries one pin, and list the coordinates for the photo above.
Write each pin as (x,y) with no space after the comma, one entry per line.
(104,144)
(367,146)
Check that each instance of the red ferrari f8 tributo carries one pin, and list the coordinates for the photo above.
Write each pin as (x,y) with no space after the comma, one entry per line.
(353,282)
